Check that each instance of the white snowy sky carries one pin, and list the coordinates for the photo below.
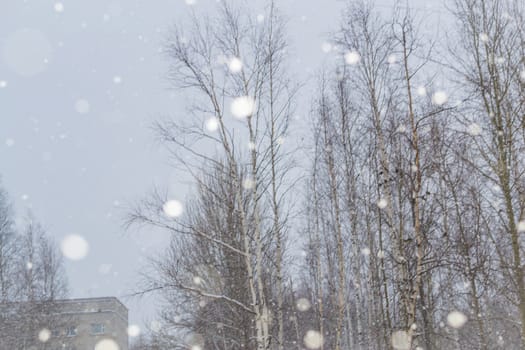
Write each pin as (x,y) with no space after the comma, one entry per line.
(101,57)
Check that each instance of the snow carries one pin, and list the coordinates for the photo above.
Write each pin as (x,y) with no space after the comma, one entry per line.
(9,142)
(173,208)
(3,84)
(400,340)
(248,183)
(456,319)
(303,304)
(74,247)
(313,339)
(242,107)
(421,91)
(117,79)
(474,129)
(326,47)
(133,330)
(212,124)
(82,106)
(352,57)
(382,203)
(392,59)
(59,7)
(44,335)
(439,98)
(235,65)
(483,37)
(107,344)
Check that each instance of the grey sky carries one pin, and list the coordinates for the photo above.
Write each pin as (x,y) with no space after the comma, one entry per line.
(78,89)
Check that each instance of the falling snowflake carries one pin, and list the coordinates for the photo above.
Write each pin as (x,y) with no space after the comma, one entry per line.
(44,335)
(400,340)
(191,2)
(382,203)
(521,226)
(439,98)
(365,251)
(392,59)
(484,37)
(212,124)
(456,319)
(303,304)
(107,344)
(474,129)
(422,91)
(242,107)
(381,254)
(313,339)
(117,79)
(352,57)
(173,208)
(260,18)
(235,65)
(9,142)
(3,84)
(401,129)
(326,47)
(74,247)
(248,184)
(133,330)
(59,7)
(82,106)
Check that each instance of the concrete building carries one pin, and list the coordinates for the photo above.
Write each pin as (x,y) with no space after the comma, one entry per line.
(90,324)
(71,324)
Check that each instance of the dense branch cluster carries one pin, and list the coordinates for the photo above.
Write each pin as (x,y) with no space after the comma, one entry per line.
(32,276)
(413,204)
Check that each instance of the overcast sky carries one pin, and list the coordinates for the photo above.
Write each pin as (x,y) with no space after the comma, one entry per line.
(80,82)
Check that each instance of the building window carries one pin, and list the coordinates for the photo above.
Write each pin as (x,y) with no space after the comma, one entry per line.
(71,331)
(97,328)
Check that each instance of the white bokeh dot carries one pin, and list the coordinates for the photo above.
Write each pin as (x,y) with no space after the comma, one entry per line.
(382,203)
(74,247)
(107,344)
(352,57)
(456,319)
(235,65)
(439,98)
(474,129)
(82,106)
(59,7)
(242,107)
(313,339)
(212,124)
(44,335)
(173,208)
(303,304)
(400,340)
(133,330)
